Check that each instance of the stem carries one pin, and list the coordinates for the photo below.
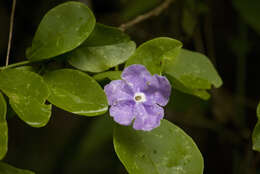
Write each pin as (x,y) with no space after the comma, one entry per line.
(16,64)
(10,33)
(153,12)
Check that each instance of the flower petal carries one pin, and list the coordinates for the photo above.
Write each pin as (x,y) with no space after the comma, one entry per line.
(147,117)
(137,76)
(118,90)
(159,90)
(122,112)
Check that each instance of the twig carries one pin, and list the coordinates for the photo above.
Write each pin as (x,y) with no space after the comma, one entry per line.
(153,12)
(15,65)
(10,33)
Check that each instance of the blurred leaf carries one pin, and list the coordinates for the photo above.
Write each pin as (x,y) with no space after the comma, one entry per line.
(192,73)
(153,53)
(166,149)
(76,92)
(106,47)
(3,127)
(8,169)
(189,21)
(27,94)
(111,75)
(62,29)
(256,132)
(249,10)
(95,137)
(134,8)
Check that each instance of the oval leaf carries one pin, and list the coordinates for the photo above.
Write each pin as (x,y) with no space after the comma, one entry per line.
(3,127)
(105,48)
(8,169)
(256,132)
(27,93)
(194,72)
(62,29)
(76,92)
(153,53)
(166,149)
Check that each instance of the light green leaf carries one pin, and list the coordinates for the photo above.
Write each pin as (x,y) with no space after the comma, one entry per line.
(153,53)
(8,169)
(61,30)
(105,48)
(249,11)
(256,132)
(193,72)
(164,150)
(3,127)
(111,75)
(27,93)
(76,92)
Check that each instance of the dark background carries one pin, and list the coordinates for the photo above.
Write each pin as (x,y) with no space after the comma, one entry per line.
(221,127)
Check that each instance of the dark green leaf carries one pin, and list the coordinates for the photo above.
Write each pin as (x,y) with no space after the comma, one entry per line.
(76,92)
(3,127)
(111,75)
(62,29)
(250,12)
(105,48)
(164,150)
(27,93)
(256,133)
(8,169)
(193,73)
(153,53)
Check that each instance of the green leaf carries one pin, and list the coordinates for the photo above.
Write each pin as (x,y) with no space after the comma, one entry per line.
(111,75)
(106,47)
(193,72)
(256,132)
(189,21)
(27,93)
(76,92)
(196,92)
(61,30)
(8,169)
(249,11)
(153,53)
(3,127)
(166,149)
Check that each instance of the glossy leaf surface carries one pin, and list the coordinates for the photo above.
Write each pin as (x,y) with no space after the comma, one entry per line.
(76,92)
(106,47)
(153,53)
(27,93)
(193,72)
(164,150)
(62,29)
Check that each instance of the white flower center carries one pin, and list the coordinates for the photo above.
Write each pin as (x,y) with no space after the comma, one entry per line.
(139,97)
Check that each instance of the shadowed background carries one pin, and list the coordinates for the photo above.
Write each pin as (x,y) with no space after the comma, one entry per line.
(228,32)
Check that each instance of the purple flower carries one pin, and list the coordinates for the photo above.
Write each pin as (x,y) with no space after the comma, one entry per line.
(139,97)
